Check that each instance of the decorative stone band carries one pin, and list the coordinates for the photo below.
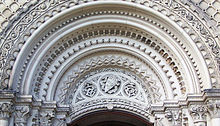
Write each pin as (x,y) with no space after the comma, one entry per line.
(35,112)
(42,8)
(108,104)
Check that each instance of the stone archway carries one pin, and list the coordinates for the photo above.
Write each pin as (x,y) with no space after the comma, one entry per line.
(111,118)
(66,59)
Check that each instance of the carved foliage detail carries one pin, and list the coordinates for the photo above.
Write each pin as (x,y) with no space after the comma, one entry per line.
(89,89)
(46,117)
(130,89)
(21,115)
(214,108)
(106,83)
(199,113)
(175,116)
(5,110)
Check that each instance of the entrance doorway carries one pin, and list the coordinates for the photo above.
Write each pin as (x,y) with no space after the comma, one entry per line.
(111,118)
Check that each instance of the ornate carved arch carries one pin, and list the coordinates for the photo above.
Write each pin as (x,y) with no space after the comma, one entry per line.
(99,51)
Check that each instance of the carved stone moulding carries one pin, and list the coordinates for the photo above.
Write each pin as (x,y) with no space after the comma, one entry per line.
(151,6)
(108,88)
(109,104)
(65,52)
(119,64)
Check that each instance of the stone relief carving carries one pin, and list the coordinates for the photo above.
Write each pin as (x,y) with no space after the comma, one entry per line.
(213,107)
(158,59)
(89,90)
(130,89)
(112,86)
(107,82)
(199,114)
(110,83)
(46,117)
(158,121)
(21,115)
(175,116)
(52,5)
(5,109)
(108,104)
(113,60)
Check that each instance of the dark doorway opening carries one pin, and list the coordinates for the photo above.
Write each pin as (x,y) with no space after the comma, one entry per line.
(111,118)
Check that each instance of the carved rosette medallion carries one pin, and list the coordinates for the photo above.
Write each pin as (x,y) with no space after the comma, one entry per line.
(130,89)
(89,89)
(110,83)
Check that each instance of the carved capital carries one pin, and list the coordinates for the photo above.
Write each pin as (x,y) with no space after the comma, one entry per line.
(59,122)
(199,113)
(158,121)
(5,109)
(175,116)
(21,115)
(214,108)
(46,117)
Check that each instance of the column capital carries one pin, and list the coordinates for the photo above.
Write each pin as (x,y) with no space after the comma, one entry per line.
(5,109)
(174,115)
(199,114)
(21,115)
(213,106)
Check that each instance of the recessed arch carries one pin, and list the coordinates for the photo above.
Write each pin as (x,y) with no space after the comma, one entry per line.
(58,49)
(126,21)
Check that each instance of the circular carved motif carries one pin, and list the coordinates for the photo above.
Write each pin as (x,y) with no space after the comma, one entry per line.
(130,89)
(89,89)
(110,83)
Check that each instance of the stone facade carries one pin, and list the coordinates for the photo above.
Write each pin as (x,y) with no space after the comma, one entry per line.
(63,59)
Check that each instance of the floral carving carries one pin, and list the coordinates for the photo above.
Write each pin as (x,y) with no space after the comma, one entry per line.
(130,89)
(89,89)
(199,114)
(46,117)
(214,108)
(21,115)
(5,109)
(175,116)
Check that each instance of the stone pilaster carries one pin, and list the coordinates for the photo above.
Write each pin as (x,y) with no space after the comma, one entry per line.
(199,114)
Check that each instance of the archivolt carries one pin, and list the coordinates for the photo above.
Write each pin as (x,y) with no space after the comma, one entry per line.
(170,34)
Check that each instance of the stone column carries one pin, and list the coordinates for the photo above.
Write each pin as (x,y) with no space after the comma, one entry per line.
(199,114)
(5,111)
(214,111)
